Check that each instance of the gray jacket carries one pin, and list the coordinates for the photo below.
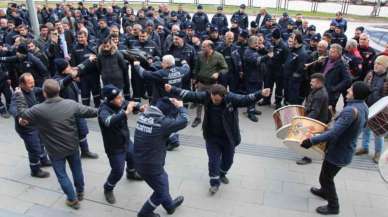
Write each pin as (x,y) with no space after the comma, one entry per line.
(55,119)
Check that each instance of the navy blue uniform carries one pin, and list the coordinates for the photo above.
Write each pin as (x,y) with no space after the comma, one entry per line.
(30,135)
(220,21)
(151,134)
(117,143)
(233,59)
(220,127)
(242,19)
(200,21)
(90,81)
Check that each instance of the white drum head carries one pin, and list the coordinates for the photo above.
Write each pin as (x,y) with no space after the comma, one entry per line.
(282,132)
(312,152)
(383,165)
(378,107)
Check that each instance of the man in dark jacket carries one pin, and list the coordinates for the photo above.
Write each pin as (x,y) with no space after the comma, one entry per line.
(56,121)
(112,118)
(341,142)
(152,130)
(66,78)
(220,126)
(368,55)
(200,21)
(316,105)
(90,81)
(241,17)
(36,153)
(253,60)
(220,21)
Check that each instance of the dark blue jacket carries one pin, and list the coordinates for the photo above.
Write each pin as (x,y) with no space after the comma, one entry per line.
(242,19)
(200,21)
(342,22)
(376,85)
(80,54)
(114,128)
(342,137)
(69,88)
(173,76)
(151,134)
(221,22)
(253,65)
(231,104)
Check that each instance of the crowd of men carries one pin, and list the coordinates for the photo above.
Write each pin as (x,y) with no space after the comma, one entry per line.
(97,53)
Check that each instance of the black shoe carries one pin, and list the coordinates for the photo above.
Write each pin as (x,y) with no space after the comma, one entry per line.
(252,117)
(73,204)
(213,189)
(318,192)
(109,197)
(177,202)
(224,179)
(148,215)
(80,196)
(172,146)
(326,210)
(134,176)
(90,155)
(264,102)
(303,161)
(196,122)
(40,174)
(257,112)
(5,115)
(46,163)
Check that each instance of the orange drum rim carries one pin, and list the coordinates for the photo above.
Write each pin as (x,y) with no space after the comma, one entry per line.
(284,107)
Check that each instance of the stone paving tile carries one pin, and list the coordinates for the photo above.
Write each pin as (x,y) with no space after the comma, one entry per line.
(40,196)
(12,189)
(370,212)
(362,186)
(42,211)
(14,205)
(286,201)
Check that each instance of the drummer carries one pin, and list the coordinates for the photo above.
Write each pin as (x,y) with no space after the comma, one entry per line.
(341,142)
(375,80)
(316,105)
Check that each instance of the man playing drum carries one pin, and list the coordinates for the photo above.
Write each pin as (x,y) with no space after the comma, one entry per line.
(316,105)
(375,80)
(341,142)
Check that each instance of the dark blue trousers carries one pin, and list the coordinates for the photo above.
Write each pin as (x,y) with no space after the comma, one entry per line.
(294,91)
(35,149)
(251,88)
(90,85)
(161,194)
(221,154)
(83,131)
(117,163)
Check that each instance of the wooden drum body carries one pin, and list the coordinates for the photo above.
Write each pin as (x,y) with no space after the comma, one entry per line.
(378,117)
(301,129)
(283,117)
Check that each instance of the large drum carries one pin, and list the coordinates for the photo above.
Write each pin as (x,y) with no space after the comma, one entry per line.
(283,117)
(378,117)
(383,165)
(301,129)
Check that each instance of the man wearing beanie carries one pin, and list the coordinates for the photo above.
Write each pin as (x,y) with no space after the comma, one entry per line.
(67,77)
(112,118)
(341,141)
(152,130)
(375,80)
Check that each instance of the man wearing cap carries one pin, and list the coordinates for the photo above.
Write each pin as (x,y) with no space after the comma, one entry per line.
(67,77)
(275,72)
(200,20)
(341,142)
(183,51)
(112,118)
(340,21)
(311,31)
(56,122)
(214,36)
(267,28)
(338,37)
(288,32)
(261,17)
(253,30)
(375,80)
(220,21)
(284,21)
(173,20)
(241,17)
(313,43)
(152,130)
(220,126)
(209,68)
(331,28)
(235,28)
